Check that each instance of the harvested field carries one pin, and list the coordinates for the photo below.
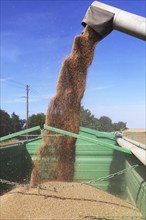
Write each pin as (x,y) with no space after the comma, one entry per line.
(136,134)
(67,203)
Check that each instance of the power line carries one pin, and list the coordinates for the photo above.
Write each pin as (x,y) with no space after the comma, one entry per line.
(19,85)
(9,83)
(16,82)
(35,92)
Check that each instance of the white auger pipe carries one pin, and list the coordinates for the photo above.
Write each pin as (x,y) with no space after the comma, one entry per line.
(143,146)
(138,152)
(125,22)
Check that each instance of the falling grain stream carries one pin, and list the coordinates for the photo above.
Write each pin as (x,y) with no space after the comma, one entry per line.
(64,111)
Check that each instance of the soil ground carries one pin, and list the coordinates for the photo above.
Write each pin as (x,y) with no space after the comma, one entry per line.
(139,136)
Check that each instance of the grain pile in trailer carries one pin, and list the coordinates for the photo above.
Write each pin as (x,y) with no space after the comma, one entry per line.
(80,202)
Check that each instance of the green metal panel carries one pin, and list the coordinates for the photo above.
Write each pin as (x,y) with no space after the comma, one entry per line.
(15,163)
(94,161)
(98,134)
(135,181)
(87,139)
(33,146)
(7,137)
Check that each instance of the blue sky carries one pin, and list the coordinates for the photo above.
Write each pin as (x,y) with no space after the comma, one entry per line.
(36,36)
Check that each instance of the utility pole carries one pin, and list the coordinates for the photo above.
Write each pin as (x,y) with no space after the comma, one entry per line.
(27,105)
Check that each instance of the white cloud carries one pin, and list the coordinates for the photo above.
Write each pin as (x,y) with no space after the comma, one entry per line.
(98,88)
(5,79)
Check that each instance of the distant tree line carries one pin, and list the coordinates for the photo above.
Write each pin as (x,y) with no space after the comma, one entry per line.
(12,123)
(104,123)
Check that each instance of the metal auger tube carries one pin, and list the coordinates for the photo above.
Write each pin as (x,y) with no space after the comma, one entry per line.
(104,18)
(124,21)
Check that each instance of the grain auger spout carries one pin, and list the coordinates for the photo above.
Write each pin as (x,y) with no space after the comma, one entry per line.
(104,18)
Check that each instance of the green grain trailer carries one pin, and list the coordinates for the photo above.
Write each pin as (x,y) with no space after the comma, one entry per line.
(99,161)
